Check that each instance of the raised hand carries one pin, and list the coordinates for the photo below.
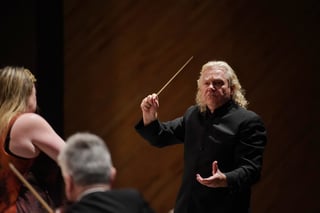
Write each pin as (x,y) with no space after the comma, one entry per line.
(149,107)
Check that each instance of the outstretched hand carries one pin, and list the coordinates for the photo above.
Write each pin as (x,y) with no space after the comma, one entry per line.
(218,179)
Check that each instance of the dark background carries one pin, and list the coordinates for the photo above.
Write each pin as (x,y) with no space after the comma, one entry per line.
(96,60)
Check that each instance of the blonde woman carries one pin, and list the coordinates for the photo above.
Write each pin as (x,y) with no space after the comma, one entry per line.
(23,136)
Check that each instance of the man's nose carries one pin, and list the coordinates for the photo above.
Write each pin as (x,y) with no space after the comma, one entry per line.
(211,86)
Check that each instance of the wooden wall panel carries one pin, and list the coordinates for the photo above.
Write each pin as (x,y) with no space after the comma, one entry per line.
(117,52)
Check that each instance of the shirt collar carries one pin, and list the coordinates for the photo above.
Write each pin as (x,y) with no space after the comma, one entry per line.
(92,190)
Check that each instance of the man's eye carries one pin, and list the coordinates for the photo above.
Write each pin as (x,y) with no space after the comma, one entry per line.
(218,83)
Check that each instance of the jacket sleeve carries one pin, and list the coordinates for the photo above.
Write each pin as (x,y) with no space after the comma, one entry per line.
(248,154)
(162,134)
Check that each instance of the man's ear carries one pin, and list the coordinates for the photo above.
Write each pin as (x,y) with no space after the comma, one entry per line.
(69,187)
(232,90)
(113,175)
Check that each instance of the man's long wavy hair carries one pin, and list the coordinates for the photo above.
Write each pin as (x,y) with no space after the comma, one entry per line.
(238,92)
(16,85)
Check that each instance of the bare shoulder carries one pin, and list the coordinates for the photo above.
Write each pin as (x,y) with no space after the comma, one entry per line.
(29,120)
(31,116)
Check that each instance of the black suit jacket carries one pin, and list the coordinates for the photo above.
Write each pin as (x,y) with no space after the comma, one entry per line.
(111,201)
(233,136)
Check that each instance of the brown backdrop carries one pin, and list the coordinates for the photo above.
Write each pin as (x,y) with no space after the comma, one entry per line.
(117,52)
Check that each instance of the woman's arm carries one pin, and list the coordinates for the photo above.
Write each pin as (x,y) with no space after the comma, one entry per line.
(31,134)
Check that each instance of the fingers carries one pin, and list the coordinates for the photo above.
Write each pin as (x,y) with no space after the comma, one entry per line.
(217,179)
(150,101)
(203,181)
(214,167)
(199,178)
